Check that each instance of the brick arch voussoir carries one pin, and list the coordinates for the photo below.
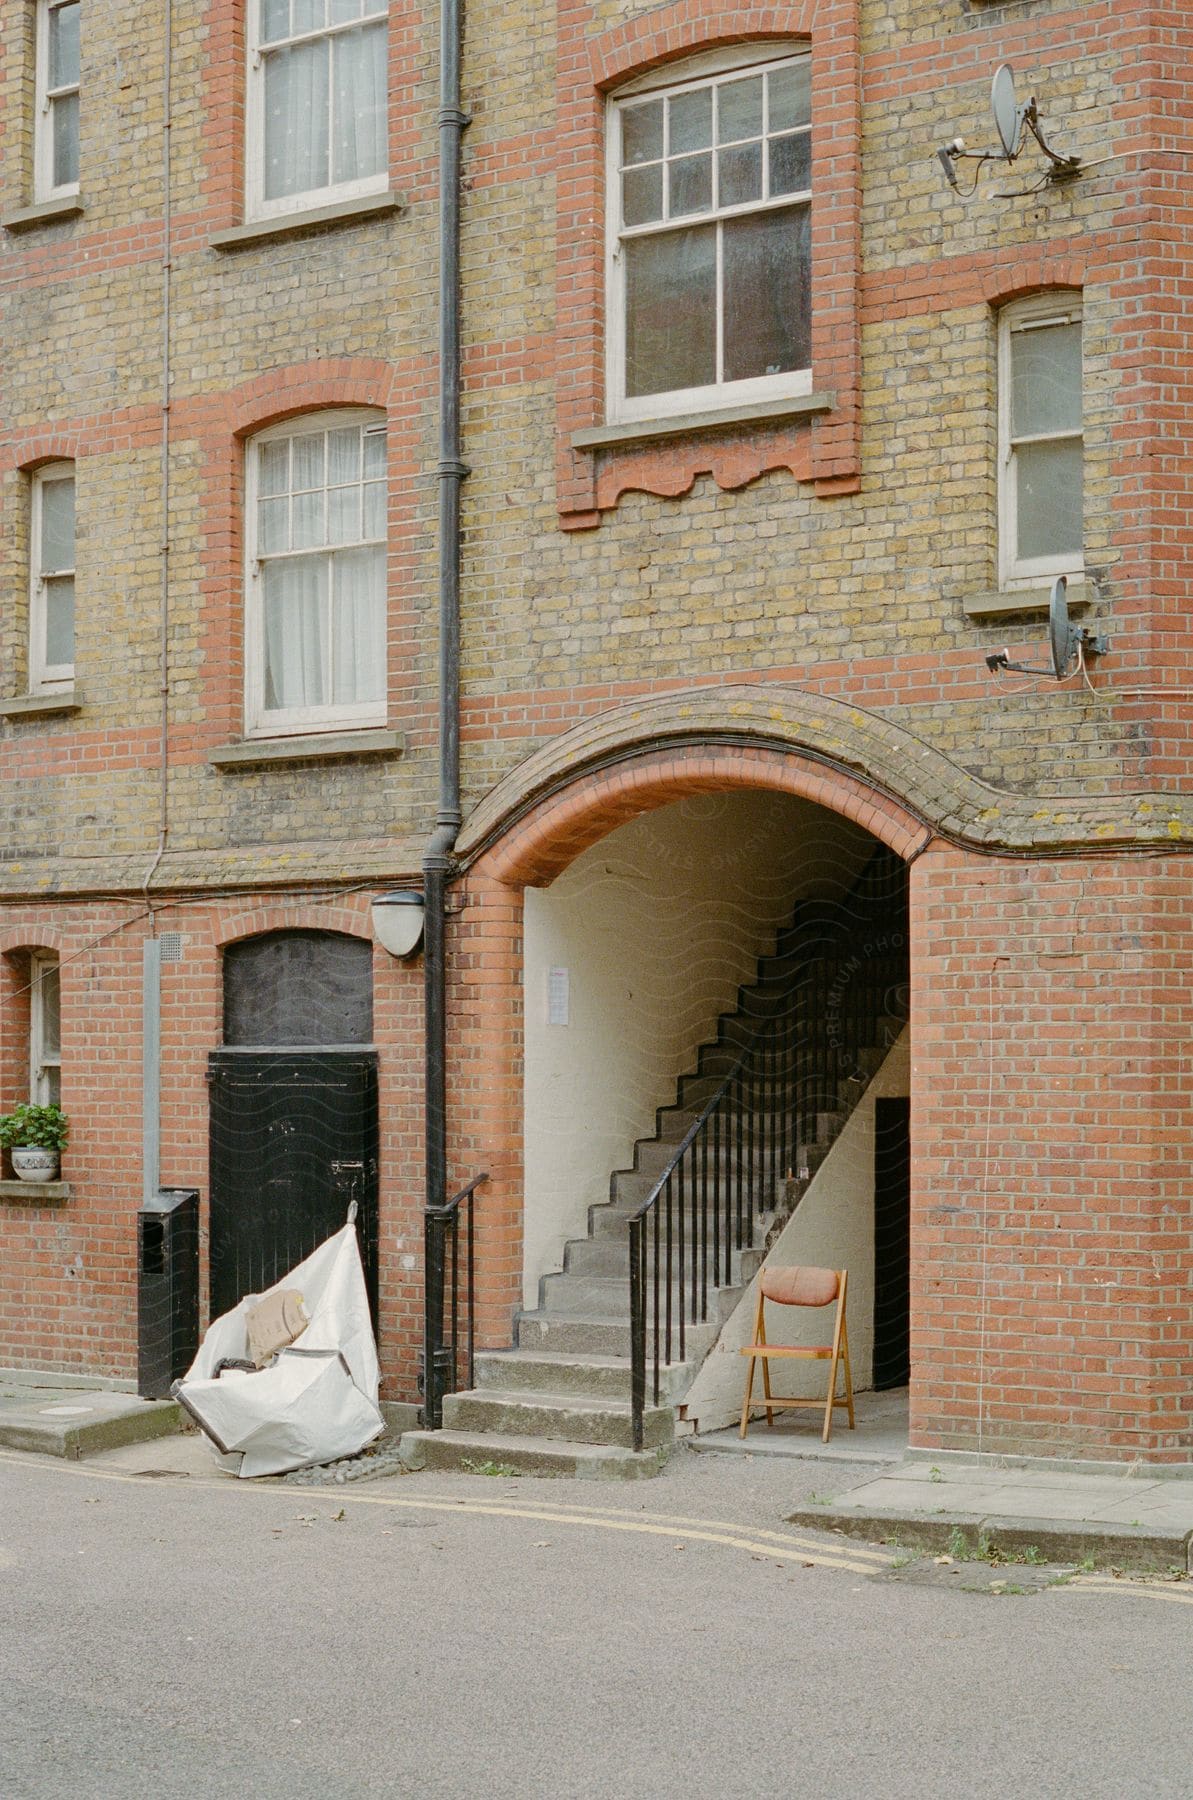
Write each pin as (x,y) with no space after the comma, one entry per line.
(262,919)
(309,387)
(33,449)
(1032,274)
(550,837)
(683,28)
(36,937)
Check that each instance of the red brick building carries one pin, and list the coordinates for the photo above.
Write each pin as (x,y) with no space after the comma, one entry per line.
(773,439)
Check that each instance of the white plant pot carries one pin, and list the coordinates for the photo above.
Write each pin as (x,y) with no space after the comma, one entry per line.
(35,1165)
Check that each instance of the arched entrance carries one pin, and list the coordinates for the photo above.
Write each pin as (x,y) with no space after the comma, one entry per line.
(507,992)
(294,1117)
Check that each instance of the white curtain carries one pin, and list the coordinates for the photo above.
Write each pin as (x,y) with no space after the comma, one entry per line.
(358,106)
(358,626)
(296,108)
(294,604)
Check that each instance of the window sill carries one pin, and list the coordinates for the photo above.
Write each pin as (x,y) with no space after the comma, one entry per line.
(646,431)
(1026,600)
(329,746)
(45,212)
(41,706)
(315,218)
(37,1193)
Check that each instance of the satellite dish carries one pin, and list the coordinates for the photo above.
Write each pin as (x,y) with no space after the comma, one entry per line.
(1064,638)
(1011,121)
(1008,119)
(1067,643)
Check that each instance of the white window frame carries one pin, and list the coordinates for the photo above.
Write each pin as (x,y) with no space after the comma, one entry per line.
(1016,571)
(41,1059)
(256,205)
(45,677)
(697,72)
(44,187)
(295,720)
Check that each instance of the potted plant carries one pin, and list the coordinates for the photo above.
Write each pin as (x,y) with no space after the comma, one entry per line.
(35,1137)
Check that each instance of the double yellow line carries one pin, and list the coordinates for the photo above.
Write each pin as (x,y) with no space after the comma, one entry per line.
(775,1546)
(1173,1593)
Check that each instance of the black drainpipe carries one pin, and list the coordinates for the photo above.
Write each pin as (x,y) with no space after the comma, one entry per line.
(437,858)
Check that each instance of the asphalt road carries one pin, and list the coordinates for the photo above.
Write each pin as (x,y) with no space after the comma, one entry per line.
(433,1635)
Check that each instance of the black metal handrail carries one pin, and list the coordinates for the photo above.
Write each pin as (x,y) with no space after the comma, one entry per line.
(703,1206)
(441,1341)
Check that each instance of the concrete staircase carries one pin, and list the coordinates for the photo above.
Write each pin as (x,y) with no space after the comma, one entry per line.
(558,1403)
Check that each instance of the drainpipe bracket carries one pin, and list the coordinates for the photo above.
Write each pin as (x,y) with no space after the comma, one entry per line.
(454,115)
(454,468)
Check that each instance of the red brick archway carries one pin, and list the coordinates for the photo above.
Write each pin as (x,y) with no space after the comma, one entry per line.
(486,965)
(541,844)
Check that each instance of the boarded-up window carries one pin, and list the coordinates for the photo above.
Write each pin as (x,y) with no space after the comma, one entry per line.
(298,987)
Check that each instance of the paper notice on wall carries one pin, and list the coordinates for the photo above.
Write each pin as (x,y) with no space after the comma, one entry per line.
(558,996)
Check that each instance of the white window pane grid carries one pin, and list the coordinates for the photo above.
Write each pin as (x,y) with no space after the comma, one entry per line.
(45,1053)
(281,21)
(58,79)
(742,141)
(62,75)
(52,600)
(318,99)
(1045,399)
(1041,529)
(321,528)
(715,184)
(320,490)
(57,527)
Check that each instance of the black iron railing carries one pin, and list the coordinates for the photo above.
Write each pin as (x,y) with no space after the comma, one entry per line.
(802,1033)
(442,1346)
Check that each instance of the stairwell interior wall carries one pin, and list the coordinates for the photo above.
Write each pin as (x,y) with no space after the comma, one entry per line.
(833,1227)
(657,925)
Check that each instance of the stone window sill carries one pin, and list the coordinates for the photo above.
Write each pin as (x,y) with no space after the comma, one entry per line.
(42,706)
(37,1193)
(997,604)
(630,435)
(329,746)
(315,218)
(46,212)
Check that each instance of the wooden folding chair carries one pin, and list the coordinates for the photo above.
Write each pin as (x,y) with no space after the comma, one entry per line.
(800,1287)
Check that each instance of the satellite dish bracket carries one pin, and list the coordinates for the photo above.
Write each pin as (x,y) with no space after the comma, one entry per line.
(1062,166)
(1011,122)
(1068,643)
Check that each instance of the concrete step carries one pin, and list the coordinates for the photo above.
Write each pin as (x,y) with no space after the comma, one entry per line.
(608,1297)
(609,1255)
(73,1423)
(594,1334)
(570,1418)
(651,1156)
(805,1066)
(492,1454)
(613,1220)
(598,1377)
(628,1188)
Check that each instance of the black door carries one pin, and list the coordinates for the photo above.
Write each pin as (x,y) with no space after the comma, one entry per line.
(294,1139)
(294,1133)
(892,1243)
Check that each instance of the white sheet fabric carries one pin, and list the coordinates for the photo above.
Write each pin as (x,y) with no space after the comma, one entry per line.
(318,1400)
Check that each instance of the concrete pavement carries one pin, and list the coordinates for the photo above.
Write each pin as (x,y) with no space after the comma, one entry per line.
(60,1416)
(1133,1517)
